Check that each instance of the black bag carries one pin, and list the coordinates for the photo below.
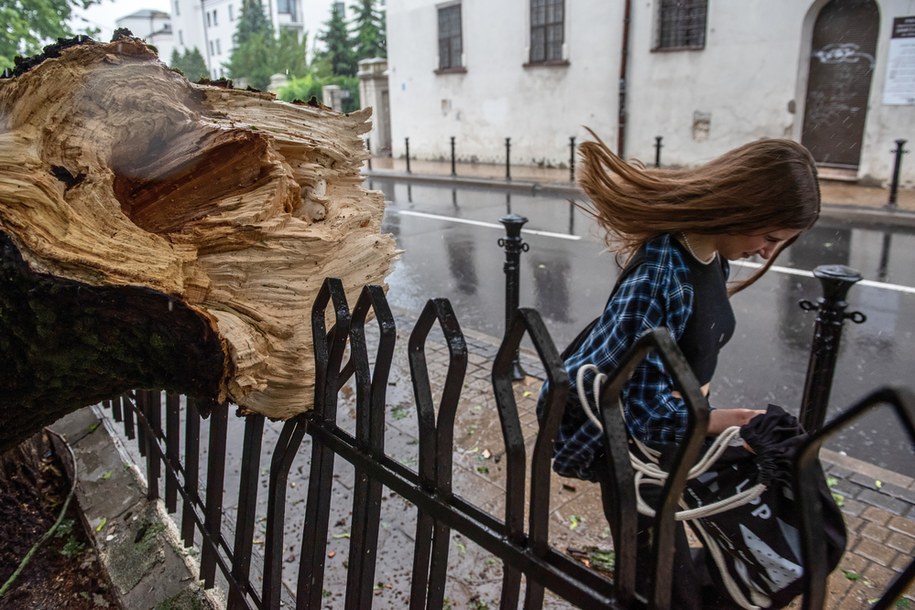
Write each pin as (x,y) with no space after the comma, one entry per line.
(756,547)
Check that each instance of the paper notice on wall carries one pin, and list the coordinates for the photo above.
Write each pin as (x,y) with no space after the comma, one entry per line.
(899,88)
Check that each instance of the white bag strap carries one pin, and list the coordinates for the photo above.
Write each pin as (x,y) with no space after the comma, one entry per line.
(650,473)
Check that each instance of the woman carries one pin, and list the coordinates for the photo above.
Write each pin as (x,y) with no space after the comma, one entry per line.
(677,230)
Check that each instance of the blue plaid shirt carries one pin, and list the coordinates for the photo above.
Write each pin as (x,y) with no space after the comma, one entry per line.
(657,293)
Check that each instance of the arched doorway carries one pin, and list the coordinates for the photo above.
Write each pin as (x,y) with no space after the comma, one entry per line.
(843,47)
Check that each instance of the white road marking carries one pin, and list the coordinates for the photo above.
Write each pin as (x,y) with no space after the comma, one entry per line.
(480,223)
(748,264)
(802,273)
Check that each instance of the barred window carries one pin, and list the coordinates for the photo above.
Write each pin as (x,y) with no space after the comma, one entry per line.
(681,24)
(547,25)
(449,37)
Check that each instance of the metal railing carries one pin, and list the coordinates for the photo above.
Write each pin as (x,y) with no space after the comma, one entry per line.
(519,538)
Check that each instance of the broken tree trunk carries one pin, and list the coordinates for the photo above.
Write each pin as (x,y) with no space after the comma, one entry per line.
(160,234)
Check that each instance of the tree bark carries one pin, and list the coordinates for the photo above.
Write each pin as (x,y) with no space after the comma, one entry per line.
(160,234)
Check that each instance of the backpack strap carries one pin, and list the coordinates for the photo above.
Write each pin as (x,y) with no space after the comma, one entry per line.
(633,263)
(580,338)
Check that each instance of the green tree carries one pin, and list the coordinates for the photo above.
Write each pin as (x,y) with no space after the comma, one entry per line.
(259,54)
(252,21)
(191,64)
(31,24)
(254,46)
(368,30)
(289,58)
(338,46)
(312,86)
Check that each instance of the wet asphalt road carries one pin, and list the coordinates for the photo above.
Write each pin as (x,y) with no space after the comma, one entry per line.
(449,239)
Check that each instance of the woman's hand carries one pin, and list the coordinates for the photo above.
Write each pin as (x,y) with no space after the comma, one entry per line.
(722,419)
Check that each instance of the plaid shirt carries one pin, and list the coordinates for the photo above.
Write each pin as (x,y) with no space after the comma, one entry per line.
(657,293)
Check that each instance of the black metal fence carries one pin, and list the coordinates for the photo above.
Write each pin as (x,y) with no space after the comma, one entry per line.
(519,538)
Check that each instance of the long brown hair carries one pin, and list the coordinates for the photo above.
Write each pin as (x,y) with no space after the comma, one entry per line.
(766,184)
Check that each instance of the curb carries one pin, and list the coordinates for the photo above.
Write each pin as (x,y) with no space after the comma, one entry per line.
(136,542)
(842,212)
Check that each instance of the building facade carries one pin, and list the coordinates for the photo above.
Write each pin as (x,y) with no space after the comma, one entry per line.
(155,27)
(209,25)
(836,75)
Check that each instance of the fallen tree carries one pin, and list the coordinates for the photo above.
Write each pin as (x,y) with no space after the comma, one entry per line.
(160,234)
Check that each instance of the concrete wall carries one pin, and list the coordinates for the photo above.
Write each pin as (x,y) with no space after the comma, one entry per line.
(538,107)
(705,102)
(748,82)
(886,123)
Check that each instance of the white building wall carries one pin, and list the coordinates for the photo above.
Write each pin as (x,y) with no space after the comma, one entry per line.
(539,108)
(740,87)
(885,124)
(154,27)
(188,26)
(748,82)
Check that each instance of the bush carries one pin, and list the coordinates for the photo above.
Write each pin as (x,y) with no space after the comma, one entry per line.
(311,85)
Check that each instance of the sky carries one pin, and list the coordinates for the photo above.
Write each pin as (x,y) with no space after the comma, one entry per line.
(104,14)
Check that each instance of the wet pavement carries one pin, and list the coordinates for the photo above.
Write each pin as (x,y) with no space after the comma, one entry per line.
(449,238)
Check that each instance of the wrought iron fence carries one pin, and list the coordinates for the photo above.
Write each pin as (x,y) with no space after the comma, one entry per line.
(518,538)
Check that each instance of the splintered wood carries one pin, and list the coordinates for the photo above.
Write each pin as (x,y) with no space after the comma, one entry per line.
(118,174)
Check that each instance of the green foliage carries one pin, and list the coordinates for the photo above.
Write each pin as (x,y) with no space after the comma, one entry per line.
(259,54)
(338,51)
(311,85)
(368,30)
(72,547)
(252,22)
(252,60)
(191,64)
(289,58)
(31,24)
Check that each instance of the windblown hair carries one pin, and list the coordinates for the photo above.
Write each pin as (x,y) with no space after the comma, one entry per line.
(766,184)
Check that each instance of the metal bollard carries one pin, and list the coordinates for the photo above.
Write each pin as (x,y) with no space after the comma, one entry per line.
(407,143)
(897,164)
(508,151)
(572,159)
(368,147)
(514,246)
(453,168)
(657,150)
(836,281)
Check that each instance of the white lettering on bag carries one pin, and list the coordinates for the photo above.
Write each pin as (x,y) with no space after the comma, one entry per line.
(763,512)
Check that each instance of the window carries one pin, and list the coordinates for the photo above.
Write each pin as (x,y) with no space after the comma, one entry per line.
(215,21)
(218,50)
(209,19)
(231,17)
(181,38)
(284,7)
(449,37)
(177,8)
(681,24)
(547,25)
